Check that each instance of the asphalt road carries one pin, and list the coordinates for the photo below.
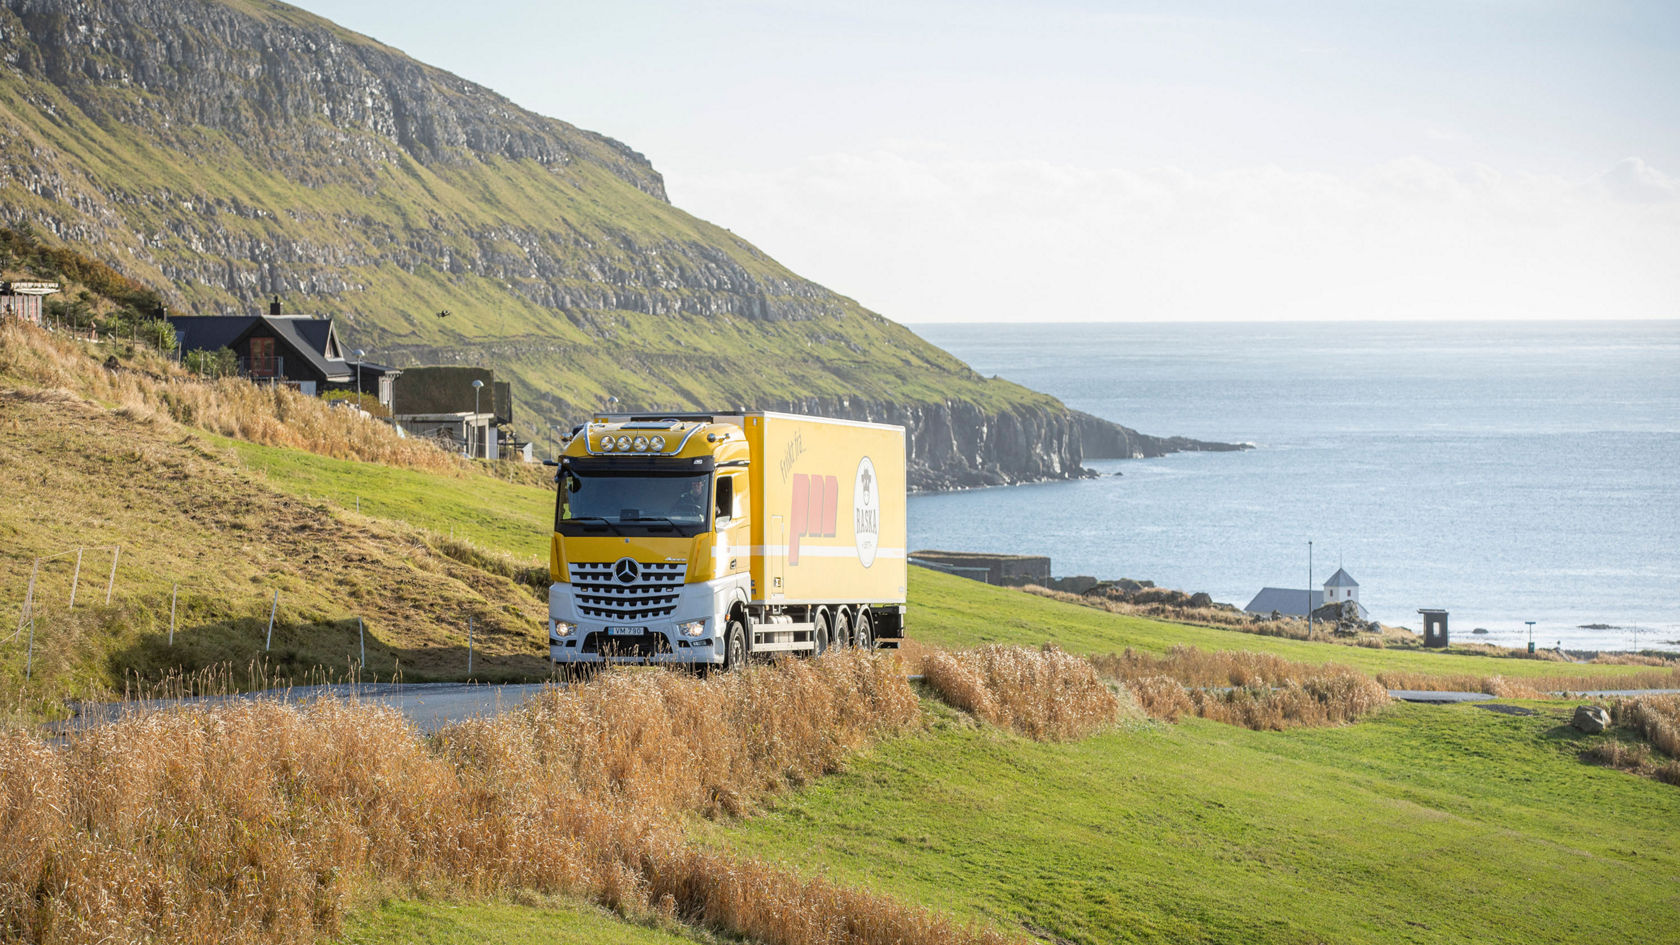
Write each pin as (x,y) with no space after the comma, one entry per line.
(431,706)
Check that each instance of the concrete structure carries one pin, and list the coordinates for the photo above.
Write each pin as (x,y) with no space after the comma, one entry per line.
(441,403)
(1434,627)
(1003,570)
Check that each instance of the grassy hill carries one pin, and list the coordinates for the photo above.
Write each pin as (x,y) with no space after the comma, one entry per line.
(265,151)
(1422,824)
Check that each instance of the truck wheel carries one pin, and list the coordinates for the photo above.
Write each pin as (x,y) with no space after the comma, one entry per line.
(842,628)
(734,647)
(820,634)
(864,636)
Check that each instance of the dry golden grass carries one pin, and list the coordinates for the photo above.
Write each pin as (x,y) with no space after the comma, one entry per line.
(142,384)
(1655,717)
(1254,690)
(1529,687)
(1043,694)
(262,823)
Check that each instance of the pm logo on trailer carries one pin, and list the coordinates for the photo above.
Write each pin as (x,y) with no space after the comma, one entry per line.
(866,512)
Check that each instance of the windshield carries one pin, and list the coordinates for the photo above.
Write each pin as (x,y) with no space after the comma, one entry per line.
(633,504)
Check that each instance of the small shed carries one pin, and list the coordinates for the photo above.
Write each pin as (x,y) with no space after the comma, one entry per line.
(1434,627)
(23,299)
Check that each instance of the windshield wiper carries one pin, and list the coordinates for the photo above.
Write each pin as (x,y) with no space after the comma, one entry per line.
(657,518)
(593,518)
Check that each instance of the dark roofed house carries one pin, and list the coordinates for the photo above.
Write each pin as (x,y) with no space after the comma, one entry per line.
(299,351)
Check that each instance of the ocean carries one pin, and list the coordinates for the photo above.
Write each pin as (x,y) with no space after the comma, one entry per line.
(1503,472)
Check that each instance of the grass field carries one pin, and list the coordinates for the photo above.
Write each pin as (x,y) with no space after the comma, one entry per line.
(955,612)
(512,518)
(505,923)
(1425,824)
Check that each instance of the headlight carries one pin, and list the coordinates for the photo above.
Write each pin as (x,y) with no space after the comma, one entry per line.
(657,442)
(606,444)
(693,628)
(641,444)
(623,442)
(562,629)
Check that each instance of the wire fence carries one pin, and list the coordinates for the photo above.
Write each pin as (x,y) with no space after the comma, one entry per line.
(37,601)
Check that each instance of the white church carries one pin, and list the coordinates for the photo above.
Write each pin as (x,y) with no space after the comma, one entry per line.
(1290,602)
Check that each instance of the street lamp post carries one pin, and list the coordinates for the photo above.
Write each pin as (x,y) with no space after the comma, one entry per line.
(478,386)
(1530,635)
(359,355)
(1309,590)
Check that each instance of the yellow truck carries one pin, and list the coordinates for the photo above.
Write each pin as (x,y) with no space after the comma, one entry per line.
(704,539)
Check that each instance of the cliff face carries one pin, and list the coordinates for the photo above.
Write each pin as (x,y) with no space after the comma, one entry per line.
(224,151)
(956,445)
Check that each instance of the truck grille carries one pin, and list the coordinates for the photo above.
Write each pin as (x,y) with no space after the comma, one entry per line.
(603,591)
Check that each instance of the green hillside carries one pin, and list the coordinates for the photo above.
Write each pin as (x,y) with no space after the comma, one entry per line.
(352,181)
(1425,824)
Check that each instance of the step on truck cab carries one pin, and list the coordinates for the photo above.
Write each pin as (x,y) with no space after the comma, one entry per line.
(703,539)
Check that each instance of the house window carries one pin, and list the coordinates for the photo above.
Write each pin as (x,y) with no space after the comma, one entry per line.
(263,362)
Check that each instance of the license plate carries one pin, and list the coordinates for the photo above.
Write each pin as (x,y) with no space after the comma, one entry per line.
(626,631)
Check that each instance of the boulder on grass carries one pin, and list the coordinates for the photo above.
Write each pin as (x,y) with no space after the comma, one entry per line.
(1591,719)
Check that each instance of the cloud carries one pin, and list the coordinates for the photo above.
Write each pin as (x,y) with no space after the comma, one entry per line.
(1635,181)
(922,236)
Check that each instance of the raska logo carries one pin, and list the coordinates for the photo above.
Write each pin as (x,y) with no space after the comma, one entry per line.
(866,512)
(815,508)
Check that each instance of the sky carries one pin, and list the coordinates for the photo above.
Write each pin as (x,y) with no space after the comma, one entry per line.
(1113,161)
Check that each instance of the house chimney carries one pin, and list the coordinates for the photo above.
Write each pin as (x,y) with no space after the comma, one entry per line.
(274,306)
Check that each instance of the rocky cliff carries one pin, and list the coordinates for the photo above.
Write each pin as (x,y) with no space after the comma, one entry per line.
(225,151)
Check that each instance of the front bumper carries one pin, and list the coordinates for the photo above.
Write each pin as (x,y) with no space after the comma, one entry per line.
(659,640)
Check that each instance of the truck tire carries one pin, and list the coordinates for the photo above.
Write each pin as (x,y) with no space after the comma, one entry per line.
(734,647)
(842,628)
(864,635)
(821,633)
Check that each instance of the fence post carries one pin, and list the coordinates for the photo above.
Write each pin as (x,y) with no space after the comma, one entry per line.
(28,600)
(75,578)
(174,593)
(271,612)
(29,662)
(361,637)
(469,646)
(115,551)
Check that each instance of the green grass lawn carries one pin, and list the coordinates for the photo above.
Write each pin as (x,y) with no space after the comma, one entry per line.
(503,923)
(956,612)
(1425,824)
(503,516)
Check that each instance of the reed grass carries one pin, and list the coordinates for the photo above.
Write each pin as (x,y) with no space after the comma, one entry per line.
(1254,690)
(1655,717)
(1045,694)
(1529,687)
(258,822)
